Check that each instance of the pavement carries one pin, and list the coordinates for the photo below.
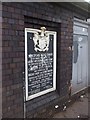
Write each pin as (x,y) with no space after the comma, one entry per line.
(79,109)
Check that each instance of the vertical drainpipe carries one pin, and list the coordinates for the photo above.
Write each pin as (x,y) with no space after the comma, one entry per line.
(24,95)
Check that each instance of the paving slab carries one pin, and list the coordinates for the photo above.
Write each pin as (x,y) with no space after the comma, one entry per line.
(79,109)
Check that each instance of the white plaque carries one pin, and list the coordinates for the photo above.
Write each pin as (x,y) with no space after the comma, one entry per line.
(40,62)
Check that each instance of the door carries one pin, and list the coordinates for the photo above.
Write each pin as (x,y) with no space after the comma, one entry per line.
(80,58)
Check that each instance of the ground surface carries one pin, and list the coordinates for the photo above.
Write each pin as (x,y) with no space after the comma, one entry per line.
(79,109)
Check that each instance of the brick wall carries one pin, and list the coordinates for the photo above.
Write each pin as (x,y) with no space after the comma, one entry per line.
(15,17)
(13,61)
(0,60)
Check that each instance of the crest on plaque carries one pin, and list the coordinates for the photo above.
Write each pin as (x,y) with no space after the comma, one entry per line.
(41,40)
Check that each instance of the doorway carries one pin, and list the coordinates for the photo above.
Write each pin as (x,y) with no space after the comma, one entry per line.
(80,56)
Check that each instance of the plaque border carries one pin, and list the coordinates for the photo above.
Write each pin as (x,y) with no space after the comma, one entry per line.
(26,65)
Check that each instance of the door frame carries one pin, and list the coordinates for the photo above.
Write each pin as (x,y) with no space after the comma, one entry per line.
(88,53)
